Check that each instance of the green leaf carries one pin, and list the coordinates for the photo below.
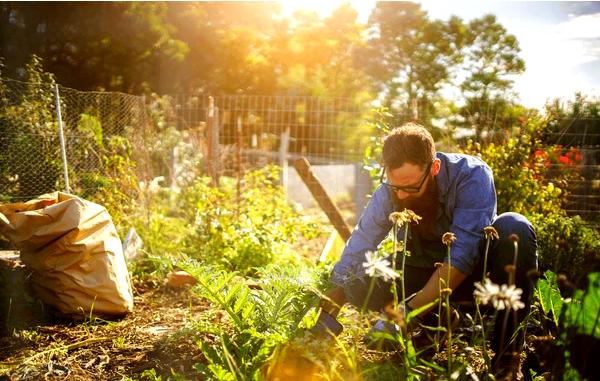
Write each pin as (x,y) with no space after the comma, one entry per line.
(584,310)
(549,296)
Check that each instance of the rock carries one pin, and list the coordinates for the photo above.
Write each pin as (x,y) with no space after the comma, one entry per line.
(179,278)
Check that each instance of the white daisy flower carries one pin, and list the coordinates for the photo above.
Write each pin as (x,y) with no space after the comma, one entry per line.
(501,297)
(378,267)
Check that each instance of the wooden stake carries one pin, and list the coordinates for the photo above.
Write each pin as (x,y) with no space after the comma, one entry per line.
(316,189)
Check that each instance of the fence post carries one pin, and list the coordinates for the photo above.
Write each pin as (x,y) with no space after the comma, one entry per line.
(61,138)
(283,153)
(216,151)
(212,141)
(414,107)
(210,114)
(238,158)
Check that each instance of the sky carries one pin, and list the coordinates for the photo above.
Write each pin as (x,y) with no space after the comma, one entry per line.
(559,40)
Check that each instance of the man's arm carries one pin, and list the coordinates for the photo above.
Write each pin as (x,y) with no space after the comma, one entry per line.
(437,282)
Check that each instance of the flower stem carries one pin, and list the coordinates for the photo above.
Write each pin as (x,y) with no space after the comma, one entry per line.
(369,292)
(402,289)
(449,318)
(486,356)
(485,258)
(394,290)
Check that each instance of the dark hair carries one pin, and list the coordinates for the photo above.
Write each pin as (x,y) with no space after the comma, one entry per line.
(409,143)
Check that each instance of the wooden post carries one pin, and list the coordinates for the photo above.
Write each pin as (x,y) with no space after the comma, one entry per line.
(212,141)
(316,189)
(238,158)
(283,153)
(210,114)
(216,149)
(414,107)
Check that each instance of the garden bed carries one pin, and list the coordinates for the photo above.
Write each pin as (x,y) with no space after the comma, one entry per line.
(141,344)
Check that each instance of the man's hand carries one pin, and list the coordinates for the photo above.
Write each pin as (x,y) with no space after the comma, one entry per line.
(326,325)
(334,300)
(330,305)
(398,315)
(437,281)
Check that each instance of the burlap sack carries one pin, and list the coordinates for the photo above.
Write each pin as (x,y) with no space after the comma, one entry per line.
(73,248)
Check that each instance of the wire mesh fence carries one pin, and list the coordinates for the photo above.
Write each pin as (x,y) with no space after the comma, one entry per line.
(91,122)
(31,161)
(244,132)
(183,136)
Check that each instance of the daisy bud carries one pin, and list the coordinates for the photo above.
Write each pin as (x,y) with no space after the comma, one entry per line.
(491,233)
(510,269)
(448,238)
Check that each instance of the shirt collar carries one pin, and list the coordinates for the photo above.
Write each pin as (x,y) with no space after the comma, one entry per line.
(442,177)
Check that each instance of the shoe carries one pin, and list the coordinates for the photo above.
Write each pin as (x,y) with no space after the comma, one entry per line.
(326,325)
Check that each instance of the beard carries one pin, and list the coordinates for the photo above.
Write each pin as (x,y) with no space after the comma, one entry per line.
(424,205)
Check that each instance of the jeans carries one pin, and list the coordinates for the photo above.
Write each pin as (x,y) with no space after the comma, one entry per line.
(500,254)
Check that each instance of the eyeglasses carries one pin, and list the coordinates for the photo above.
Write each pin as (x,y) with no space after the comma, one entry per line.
(407,189)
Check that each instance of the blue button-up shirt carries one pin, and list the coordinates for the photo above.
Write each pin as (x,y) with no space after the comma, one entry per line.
(467,204)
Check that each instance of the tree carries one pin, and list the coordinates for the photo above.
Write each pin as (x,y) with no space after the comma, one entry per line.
(90,46)
(410,57)
(230,48)
(491,58)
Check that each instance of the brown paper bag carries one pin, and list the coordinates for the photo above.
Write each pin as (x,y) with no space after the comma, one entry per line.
(73,248)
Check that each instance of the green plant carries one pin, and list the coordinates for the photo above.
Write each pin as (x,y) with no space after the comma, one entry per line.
(246,233)
(258,318)
(519,177)
(567,245)
(115,185)
(151,375)
(29,134)
(574,322)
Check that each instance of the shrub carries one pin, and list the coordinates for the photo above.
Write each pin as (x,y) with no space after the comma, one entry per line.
(519,177)
(567,245)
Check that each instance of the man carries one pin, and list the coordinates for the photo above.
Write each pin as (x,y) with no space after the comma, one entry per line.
(452,193)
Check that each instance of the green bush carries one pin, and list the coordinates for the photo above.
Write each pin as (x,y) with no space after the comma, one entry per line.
(519,177)
(30,162)
(245,233)
(567,245)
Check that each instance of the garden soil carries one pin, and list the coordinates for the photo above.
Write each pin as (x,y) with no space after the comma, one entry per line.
(111,350)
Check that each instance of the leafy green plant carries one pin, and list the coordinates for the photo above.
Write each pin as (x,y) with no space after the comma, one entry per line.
(28,131)
(115,185)
(247,233)
(575,323)
(258,318)
(567,245)
(519,178)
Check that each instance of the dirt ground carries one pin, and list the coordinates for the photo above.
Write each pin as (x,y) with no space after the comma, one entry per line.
(110,350)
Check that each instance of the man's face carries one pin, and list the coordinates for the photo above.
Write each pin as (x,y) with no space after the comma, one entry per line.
(410,182)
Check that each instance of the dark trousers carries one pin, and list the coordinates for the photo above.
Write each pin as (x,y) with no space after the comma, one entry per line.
(500,254)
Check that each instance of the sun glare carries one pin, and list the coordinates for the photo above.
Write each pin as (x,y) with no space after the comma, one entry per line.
(324,8)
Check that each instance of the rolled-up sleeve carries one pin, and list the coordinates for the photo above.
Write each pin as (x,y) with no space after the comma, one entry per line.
(474,209)
(372,228)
